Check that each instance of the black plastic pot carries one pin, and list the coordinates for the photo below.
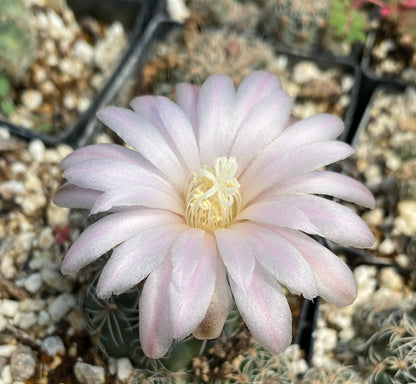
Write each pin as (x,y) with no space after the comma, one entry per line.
(135,16)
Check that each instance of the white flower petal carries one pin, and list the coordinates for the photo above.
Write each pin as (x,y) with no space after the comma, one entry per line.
(314,129)
(107,175)
(314,215)
(110,231)
(265,310)
(219,308)
(264,122)
(154,324)
(237,255)
(146,139)
(298,161)
(335,280)
(105,151)
(139,197)
(281,259)
(194,259)
(187,98)
(181,132)
(323,183)
(215,102)
(136,257)
(72,196)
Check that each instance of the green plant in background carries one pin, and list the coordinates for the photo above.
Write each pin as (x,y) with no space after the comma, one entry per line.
(260,366)
(113,325)
(297,23)
(347,22)
(17,44)
(6,103)
(385,347)
(334,374)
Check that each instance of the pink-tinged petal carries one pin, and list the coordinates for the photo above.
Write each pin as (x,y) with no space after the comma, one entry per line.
(146,139)
(134,259)
(256,86)
(110,231)
(237,255)
(264,122)
(72,196)
(172,124)
(219,308)
(194,259)
(181,132)
(187,98)
(265,310)
(105,151)
(314,215)
(281,259)
(154,324)
(147,108)
(335,280)
(297,161)
(252,90)
(320,127)
(107,175)
(323,183)
(216,99)
(317,128)
(138,196)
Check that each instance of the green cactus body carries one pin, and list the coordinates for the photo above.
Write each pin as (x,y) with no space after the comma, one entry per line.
(113,323)
(260,366)
(347,22)
(334,374)
(17,44)
(296,22)
(388,351)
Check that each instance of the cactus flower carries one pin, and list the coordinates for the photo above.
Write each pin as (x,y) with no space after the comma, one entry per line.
(213,202)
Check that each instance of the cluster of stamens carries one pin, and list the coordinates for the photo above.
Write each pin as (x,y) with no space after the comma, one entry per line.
(213,197)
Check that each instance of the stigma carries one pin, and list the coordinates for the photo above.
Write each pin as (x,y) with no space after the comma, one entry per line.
(213,196)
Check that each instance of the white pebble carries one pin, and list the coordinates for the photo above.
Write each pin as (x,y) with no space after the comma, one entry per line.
(53,345)
(70,101)
(11,188)
(33,283)
(61,306)
(25,320)
(46,238)
(44,318)
(305,71)
(389,278)
(53,278)
(364,272)
(89,374)
(31,99)
(18,167)
(37,150)
(6,350)
(7,267)
(124,368)
(387,246)
(6,375)
(327,339)
(83,51)
(31,305)
(407,212)
(8,307)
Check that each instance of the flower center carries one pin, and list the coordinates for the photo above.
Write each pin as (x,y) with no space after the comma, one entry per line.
(213,197)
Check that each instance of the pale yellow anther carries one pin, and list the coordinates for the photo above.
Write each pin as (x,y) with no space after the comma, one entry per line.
(213,197)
